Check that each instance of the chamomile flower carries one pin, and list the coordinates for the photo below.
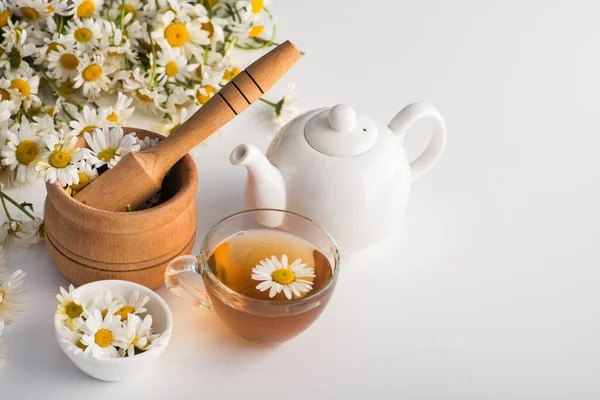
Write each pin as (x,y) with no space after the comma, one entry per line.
(178,98)
(64,60)
(59,7)
(277,276)
(135,32)
(22,147)
(30,232)
(13,300)
(52,44)
(70,308)
(284,110)
(87,173)
(87,33)
(132,8)
(8,93)
(107,303)
(109,145)
(35,12)
(13,59)
(26,87)
(99,335)
(135,334)
(170,65)
(60,160)
(86,8)
(132,305)
(121,110)
(147,143)
(16,33)
(89,119)
(205,92)
(180,32)
(176,121)
(72,340)
(92,75)
(214,26)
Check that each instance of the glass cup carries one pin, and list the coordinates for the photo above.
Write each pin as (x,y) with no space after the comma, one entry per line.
(255,320)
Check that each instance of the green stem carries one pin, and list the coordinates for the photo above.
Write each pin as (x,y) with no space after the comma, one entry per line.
(68,114)
(122,15)
(268,102)
(60,92)
(6,210)
(61,24)
(14,203)
(206,54)
(153,73)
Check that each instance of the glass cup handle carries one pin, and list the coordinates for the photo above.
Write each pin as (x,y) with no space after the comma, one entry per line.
(196,296)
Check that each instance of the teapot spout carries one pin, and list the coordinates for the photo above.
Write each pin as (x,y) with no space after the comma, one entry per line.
(265,187)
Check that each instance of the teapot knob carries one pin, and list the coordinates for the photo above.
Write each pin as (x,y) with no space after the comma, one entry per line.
(342,118)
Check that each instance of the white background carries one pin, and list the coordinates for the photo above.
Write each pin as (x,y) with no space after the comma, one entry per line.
(490,289)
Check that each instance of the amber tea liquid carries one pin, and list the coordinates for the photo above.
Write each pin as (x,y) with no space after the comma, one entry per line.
(232,262)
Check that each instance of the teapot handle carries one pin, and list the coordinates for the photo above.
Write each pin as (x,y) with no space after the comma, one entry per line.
(408,116)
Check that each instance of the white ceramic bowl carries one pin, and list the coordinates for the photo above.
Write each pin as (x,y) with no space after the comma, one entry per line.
(121,369)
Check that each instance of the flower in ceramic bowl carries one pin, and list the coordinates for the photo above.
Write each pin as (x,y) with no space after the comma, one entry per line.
(106,347)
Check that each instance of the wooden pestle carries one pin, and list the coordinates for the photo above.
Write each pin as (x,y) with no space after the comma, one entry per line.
(138,176)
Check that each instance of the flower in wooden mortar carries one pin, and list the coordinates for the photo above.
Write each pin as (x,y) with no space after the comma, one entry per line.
(278,276)
(99,335)
(70,308)
(59,160)
(108,145)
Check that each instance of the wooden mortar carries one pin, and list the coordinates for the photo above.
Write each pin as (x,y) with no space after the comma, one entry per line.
(88,244)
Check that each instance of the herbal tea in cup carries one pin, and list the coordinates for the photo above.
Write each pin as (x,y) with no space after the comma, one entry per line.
(267,284)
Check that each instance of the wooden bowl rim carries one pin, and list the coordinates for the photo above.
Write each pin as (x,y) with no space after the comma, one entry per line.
(189,184)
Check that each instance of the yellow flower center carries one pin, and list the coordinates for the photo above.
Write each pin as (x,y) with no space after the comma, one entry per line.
(171,69)
(143,97)
(26,152)
(230,73)
(112,117)
(4,94)
(73,310)
(203,98)
(80,345)
(283,276)
(54,47)
(176,34)
(29,13)
(92,72)
(104,313)
(208,27)
(83,35)
(124,311)
(86,9)
(4,16)
(2,296)
(50,9)
(88,128)
(59,159)
(257,6)
(256,30)
(83,182)
(69,61)
(67,86)
(129,10)
(107,154)
(103,337)
(22,86)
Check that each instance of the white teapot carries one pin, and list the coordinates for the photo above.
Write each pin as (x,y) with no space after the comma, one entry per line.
(342,170)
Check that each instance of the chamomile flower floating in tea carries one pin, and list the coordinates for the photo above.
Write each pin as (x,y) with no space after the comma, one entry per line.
(70,309)
(110,327)
(278,276)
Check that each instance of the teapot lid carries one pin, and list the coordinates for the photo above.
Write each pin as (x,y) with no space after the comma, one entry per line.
(340,132)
